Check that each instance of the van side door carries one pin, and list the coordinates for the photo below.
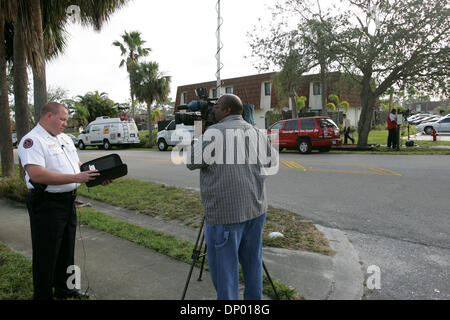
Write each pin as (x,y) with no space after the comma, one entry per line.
(95,134)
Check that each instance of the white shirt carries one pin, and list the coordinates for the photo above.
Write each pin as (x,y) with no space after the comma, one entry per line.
(393,117)
(57,154)
(346,123)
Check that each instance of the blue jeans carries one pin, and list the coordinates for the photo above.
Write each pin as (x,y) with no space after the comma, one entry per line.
(231,244)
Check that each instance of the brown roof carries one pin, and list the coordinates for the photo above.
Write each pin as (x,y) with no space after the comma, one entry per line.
(248,88)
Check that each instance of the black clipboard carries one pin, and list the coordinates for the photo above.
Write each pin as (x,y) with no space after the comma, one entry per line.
(109,167)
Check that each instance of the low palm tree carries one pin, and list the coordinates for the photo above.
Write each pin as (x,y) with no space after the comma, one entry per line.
(131,48)
(335,102)
(149,85)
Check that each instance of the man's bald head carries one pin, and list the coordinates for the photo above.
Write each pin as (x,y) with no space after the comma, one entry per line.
(231,101)
(52,107)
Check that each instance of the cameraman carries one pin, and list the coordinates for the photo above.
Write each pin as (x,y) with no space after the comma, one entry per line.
(235,204)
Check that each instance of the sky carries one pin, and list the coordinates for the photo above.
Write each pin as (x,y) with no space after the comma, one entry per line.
(181,34)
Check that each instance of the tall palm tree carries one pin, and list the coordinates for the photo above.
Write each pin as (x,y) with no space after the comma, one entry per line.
(43,21)
(149,85)
(20,73)
(7,159)
(132,49)
(28,17)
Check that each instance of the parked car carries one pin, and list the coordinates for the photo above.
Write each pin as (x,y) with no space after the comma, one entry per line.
(74,139)
(429,119)
(306,134)
(418,119)
(172,135)
(105,132)
(442,125)
(416,116)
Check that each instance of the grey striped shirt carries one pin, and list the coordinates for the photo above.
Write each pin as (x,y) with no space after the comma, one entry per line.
(232,190)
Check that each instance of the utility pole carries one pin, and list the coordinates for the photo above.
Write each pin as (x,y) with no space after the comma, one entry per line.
(219,47)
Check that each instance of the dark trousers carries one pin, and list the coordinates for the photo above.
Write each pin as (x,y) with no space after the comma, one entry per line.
(392,138)
(53,224)
(347,136)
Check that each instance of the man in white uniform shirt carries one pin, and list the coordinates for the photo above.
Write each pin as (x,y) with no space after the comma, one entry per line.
(52,167)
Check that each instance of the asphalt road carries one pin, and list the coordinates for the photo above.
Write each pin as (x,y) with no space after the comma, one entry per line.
(394,209)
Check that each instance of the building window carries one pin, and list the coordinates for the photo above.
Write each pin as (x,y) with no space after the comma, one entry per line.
(317,89)
(229,90)
(214,93)
(267,88)
(183,97)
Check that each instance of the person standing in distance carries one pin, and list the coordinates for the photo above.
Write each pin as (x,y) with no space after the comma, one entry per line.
(392,128)
(347,128)
(235,202)
(52,168)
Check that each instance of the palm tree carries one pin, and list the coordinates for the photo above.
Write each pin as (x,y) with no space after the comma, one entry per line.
(7,159)
(20,73)
(40,24)
(149,85)
(132,49)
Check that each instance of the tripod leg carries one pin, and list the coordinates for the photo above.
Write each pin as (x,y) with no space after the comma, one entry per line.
(270,280)
(203,265)
(188,279)
(195,256)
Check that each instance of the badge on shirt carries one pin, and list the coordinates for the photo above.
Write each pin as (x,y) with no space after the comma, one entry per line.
(28,143)
(66,140)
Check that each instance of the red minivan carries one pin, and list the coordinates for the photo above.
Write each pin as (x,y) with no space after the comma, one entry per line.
(305,134)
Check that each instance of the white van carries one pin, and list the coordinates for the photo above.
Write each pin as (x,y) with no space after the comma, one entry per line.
(173,135)
(106,132)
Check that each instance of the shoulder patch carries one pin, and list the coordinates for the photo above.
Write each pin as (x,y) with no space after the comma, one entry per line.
(28,143)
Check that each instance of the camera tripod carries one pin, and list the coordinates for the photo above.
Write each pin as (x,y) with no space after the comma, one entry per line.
(197,253)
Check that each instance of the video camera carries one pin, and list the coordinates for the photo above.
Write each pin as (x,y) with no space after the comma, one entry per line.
(199,109)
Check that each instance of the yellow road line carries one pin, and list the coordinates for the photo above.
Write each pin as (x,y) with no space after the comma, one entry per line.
(293,165)
(371,170)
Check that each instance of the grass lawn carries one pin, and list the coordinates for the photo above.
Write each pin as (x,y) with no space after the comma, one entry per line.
(172,203)
(16,278)
(165,244)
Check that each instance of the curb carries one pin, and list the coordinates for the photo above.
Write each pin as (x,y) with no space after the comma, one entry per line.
(348,276)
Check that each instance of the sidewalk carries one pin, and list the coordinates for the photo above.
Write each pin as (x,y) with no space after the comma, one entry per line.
(116,269)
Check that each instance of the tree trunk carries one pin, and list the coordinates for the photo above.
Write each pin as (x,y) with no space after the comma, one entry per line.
(40,93)
(20,86)
(323,81)
(368,99)
(150,124)
(132,103)
(294,107)
(6,147)
(39,77)
(20,83)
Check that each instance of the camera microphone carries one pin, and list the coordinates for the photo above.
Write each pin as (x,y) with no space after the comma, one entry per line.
(183,107)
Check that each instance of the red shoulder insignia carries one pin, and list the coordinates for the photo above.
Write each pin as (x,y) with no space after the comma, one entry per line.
(28,143)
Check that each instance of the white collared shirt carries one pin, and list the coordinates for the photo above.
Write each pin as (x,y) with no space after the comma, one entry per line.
(57,154)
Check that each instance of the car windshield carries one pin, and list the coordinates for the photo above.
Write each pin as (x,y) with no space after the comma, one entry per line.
(327,123)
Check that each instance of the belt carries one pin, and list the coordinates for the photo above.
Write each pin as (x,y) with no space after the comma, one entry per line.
(72,193)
